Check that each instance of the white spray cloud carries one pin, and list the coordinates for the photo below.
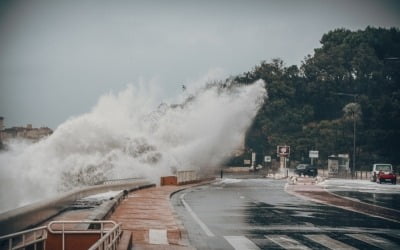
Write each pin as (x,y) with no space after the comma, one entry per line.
(130,135)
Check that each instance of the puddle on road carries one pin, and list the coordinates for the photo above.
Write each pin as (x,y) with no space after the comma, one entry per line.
(263,214)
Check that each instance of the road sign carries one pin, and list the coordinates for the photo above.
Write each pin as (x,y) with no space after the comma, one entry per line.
(313,154)
(283,151)
(267,158)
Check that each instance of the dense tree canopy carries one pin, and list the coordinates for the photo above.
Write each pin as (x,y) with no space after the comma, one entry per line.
(353,75)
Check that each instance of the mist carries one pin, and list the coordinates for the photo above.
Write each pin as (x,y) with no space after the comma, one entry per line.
(130,134)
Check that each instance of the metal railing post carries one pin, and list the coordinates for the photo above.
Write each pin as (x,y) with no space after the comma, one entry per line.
(63,237)
(34,237)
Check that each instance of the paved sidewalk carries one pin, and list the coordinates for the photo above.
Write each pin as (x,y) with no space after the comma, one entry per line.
(149,215)
(306,188)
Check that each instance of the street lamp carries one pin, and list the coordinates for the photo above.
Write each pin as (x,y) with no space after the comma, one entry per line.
(354,129)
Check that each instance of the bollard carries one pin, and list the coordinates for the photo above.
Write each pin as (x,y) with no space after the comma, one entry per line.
(222,173)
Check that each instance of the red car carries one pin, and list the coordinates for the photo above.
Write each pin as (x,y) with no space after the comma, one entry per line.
(382,173)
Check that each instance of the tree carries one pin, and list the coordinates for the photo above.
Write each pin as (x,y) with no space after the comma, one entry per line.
(303,111)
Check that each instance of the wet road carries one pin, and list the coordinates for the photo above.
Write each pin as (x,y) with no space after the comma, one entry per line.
(259,214)
(384,195)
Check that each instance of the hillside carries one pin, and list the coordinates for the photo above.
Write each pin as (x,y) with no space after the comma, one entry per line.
(353,76)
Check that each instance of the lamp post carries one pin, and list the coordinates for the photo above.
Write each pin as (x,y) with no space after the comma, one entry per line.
(354,129)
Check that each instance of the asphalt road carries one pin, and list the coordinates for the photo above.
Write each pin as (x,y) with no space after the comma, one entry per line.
(259,214)
(384,195)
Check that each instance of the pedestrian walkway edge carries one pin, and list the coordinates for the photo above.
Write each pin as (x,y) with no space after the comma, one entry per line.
(183,232)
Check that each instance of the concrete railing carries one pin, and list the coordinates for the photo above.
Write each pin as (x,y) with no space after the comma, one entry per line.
(33,214)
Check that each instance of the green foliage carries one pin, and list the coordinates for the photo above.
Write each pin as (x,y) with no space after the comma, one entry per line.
(305,111)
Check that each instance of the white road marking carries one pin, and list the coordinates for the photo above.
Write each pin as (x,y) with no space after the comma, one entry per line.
(158,236)
(197,219)
(241,243)
(328,242)
(286,242)
(375,241)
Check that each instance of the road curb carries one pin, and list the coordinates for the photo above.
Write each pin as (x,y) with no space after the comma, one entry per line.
(367,204)
(183,231)
(354,206)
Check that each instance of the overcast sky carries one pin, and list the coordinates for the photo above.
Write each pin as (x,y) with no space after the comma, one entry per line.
(58,57)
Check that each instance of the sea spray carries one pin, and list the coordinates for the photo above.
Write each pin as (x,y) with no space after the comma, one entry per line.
(131,135)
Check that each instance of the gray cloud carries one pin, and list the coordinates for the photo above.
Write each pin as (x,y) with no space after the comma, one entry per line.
(58,57)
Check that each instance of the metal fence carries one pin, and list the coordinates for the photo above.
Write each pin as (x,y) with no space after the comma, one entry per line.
(110,232)
(186,176)
(35,238)
(360,175)
(110,240)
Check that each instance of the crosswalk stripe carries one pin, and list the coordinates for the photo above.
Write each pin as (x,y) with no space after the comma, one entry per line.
(328,242)
(375,241)
(286,242)
(241,243)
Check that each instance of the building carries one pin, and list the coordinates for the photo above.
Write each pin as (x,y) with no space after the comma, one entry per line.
(27,132)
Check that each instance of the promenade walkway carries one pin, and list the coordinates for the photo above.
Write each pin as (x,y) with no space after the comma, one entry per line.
(148,214)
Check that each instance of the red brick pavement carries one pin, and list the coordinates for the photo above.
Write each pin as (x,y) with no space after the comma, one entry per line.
(149,211)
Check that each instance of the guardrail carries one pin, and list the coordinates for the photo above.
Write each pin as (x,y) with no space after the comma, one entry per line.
(109,232)
(66,235)
(35,237)
(110,240)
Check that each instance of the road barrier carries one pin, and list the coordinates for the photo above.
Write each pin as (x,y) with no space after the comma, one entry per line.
(168,180)
(360,175)
(181,178)
(35,237)
(66,235)
(63,235)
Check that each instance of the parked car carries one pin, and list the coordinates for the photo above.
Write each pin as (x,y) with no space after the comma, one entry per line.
(306,169)
(382,172)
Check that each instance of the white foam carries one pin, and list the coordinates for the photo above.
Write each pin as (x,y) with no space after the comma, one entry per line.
(102,196)
(130,135)
(230,181)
